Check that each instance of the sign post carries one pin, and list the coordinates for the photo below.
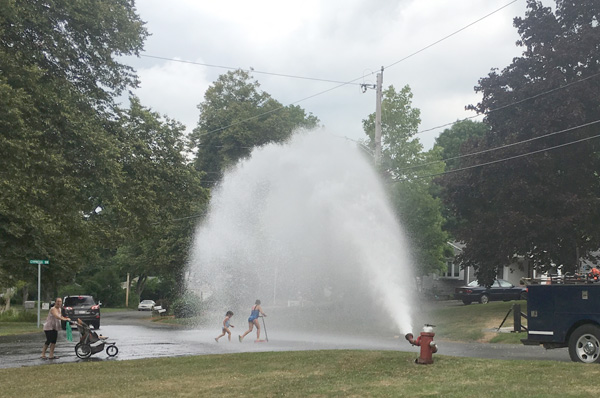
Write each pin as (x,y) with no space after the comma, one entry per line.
(39,263)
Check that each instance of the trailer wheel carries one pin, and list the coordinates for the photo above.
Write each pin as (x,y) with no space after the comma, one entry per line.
(484,299)
(584,344)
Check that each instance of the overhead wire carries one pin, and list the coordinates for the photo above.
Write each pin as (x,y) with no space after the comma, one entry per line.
(467,118)
(251,70)
(515,143)
(472,166)
(341,84)
(515,156)
(499,147)
(462,120)
(511,104)
(451,34)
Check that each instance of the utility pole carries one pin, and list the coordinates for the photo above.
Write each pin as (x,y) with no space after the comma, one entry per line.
(127,293)
(378,95)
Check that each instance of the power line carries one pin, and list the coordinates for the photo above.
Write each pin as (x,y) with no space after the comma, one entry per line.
(511,104)
(251,70)
(451,34)
(458,121)
(468,167)
(274,110)
(507,159)
(341,84)
(501,147)
(462,120)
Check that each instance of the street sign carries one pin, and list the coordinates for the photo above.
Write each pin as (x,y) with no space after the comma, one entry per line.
(45,262)
(39,264)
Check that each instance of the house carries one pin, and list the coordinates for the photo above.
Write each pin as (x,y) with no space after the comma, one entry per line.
(442,286)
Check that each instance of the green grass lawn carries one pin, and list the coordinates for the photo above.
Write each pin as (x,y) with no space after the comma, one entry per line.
(475,322)
(304,374)
(18,326)
(10,328)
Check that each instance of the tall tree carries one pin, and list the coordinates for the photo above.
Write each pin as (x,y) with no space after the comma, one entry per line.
(402,164)
(544,206)
(58,77)
(237,116)
(161,196)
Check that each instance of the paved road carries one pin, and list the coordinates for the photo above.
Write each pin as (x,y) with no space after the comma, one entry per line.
(137,337)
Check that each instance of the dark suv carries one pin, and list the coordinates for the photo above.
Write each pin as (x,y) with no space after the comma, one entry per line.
(82,307)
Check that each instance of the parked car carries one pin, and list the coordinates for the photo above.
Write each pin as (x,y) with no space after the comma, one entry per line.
(500,290)
(82,307)
(146,305)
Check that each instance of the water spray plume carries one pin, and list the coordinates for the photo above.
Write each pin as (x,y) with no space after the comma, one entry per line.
(307,227)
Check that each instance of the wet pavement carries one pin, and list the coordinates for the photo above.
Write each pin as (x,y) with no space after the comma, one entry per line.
(137,337)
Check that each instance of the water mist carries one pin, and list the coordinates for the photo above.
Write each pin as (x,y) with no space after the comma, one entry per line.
(307,228)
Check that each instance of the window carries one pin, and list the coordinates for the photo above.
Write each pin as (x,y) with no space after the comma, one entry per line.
(452,270)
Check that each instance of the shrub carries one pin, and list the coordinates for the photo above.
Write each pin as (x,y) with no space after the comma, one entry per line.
(187,306)
(13,315)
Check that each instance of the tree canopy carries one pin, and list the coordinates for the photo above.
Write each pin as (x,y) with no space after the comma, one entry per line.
(402,152)
(541,197)
(237,116)
(59,74)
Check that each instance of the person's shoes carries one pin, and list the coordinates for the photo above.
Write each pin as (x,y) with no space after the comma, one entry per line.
(54,357)
(240,338)
(216,339)
(44,358)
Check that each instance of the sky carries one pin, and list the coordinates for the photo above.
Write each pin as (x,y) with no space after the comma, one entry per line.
(337,41)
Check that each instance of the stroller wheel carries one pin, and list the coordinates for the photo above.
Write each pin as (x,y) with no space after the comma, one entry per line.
(83,350)
(112,350)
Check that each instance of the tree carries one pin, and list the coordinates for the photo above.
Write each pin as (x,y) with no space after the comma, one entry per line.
(161,195)
(399,149)
(235,117)
(402,162)
(452,139)
(450,143)
(58,78)
(543,206)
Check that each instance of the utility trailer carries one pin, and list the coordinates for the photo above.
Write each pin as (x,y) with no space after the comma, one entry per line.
(565,315)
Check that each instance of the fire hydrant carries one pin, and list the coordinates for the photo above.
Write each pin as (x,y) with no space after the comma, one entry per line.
(425,341)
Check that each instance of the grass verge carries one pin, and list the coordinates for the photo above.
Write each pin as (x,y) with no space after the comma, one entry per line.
(120,309)
(476,322)
(11,328)
(304,374)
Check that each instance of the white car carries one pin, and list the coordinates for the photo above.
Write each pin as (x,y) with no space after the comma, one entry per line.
(146,305)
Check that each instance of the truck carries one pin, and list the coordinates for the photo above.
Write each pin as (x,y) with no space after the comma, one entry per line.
(565,315)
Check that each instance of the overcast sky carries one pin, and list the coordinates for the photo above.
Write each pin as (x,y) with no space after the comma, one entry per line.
(331,40)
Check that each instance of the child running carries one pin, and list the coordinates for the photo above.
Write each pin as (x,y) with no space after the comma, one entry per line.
(253,321)
(226,326)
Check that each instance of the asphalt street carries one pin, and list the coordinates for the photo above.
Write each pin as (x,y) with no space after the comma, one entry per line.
(137,337)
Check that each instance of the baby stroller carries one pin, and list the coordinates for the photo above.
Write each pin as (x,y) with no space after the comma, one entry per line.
(90,343)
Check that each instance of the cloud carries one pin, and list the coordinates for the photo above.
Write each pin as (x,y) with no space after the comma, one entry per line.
(173,89)
(327,40)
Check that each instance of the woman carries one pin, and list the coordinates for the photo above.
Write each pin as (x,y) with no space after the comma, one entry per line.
(253,321)
(51,328)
